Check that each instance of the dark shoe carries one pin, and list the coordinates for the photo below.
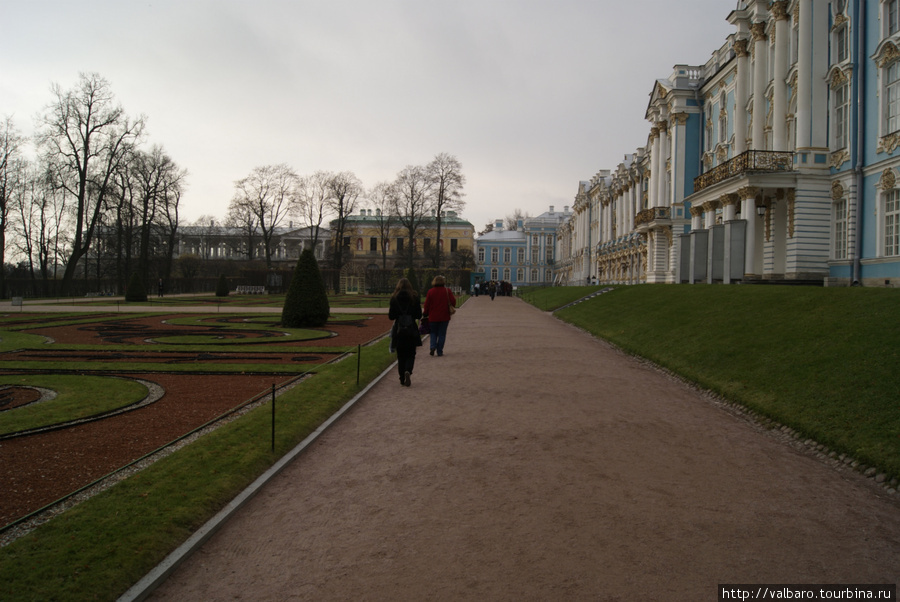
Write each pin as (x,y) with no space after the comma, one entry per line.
(431,352)
(406,380)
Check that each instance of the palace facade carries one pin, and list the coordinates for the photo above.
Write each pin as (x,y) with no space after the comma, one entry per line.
(777,160)
(373,240)
(523,256)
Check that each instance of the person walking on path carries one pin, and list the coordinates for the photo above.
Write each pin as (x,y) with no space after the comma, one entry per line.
(405,309)
(440,304)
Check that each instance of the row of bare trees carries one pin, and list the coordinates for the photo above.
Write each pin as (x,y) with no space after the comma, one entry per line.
(273,194)
(92,198)
(90,180)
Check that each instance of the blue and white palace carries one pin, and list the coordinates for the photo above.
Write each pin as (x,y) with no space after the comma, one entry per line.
(777,160)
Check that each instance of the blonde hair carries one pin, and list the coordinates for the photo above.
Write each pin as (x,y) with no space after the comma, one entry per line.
(438,281)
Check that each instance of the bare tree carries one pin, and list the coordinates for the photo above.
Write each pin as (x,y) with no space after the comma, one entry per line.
(312,202)
(269,194)
(11,176)
(414,187)
(447,182)
(158,178)
(512,219)
(85,136)
(344,190)
(41,210)
(242,218)
(384,197)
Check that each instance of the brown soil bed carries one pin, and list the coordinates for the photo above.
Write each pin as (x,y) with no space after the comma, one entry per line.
(38,469)
(139,331)
(14,397)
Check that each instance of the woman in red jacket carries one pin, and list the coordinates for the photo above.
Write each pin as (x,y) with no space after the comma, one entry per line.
(438,302)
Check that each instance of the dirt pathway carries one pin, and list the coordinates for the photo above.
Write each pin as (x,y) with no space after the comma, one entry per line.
(533,462)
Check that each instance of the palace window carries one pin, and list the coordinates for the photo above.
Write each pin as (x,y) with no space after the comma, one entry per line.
(520,255)
(891,17)
(841,45)
(480,254)
(507,255)
(892,223)
(506,274)
(892,97)
(494,274)
(534,277)
(520,275)
(841,96)
(454,245)
(373,244)
(495,256)
(840,229)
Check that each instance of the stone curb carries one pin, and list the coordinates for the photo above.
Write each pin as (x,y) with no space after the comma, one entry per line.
(143,588)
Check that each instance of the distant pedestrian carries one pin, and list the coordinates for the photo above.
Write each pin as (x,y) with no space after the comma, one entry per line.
(440,304)
(405,309)
(160,289)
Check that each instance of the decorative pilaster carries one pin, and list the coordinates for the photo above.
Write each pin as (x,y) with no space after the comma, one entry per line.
(741,95)
(779,101)
(760,64)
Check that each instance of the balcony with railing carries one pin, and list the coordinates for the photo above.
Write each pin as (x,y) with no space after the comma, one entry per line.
(750,161)
(654,214)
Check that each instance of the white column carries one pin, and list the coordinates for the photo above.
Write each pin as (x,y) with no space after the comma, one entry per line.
(760,65)
(662,198)
(779,98)
(819,94)
(748,213)
(728,205)
(804,76)
(655,169)
(741,97)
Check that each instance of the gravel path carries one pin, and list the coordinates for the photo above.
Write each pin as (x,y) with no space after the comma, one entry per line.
(533,462)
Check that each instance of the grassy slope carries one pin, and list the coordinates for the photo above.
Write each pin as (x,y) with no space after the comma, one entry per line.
(820,360)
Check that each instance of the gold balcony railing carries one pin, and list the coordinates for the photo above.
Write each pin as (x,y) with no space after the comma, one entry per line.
(651,215)
(754,160)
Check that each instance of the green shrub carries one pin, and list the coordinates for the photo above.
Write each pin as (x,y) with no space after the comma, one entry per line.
(222,286)
(306,303)
(136,291)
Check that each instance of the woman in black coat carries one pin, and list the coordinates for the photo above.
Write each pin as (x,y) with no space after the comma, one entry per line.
(405,307)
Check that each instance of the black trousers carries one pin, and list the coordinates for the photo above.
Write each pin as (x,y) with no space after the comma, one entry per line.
(406,355)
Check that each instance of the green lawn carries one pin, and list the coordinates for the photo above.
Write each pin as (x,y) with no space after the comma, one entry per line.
(103,546)
(823,361)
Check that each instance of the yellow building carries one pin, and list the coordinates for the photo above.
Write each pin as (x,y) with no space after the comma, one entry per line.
(373,240)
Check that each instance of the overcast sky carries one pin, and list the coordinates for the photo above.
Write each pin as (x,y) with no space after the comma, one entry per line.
(531,96)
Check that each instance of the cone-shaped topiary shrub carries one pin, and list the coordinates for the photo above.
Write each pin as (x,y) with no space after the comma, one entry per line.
(306,303)
(222,286)
(136,290)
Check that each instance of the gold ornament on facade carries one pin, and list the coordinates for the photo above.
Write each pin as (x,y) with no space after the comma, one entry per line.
(888,55)
(740,48)
(837,191)
(748,192)
(729,199)
(758,31)
(780,10)
(888,144)
(838,158)
(679,118)
(839,20)
(838,78)
(888,179)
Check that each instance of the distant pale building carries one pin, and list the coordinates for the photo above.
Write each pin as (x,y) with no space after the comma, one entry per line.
(525,256)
